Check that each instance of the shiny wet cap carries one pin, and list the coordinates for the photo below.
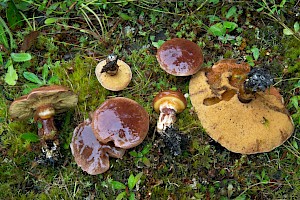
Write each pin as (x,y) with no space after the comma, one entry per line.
(122,121)
(180,57)
(89,153)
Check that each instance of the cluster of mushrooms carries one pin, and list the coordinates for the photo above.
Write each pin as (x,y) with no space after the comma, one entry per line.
(236,105)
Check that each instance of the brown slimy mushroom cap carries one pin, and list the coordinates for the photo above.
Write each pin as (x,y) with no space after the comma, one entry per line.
(180,57)
(89,153)
(122,121)
(58,97)
(173,98)
(117,82)
(258,126)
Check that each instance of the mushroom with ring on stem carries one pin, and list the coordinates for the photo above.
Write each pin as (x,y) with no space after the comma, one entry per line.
(42,104)
(168,104)
(113,73)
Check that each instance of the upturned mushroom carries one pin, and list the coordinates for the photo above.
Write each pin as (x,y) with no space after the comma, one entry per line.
(122,121)
(89,154)
(168,104)
(241,119)
(113,73)
(42,104)
(180,57)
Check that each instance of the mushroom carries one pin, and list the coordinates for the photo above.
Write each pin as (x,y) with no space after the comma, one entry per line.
(122,121)
(113,74)
(91,155)
(240,124)
(168,104)
(42,104)
(240,76)
(180,57)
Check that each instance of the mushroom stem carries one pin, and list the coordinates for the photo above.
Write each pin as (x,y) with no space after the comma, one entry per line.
(47,132)
(167,117)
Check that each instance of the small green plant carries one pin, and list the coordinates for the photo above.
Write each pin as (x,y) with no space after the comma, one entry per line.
(141,156)
(156,44)
(274,11)
(36,81)
(29,138)
(7,45)
(255,56)
(222,28)
(128,192)
(262,177)
(294,103)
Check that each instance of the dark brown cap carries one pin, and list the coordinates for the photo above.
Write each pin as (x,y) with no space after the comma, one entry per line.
(180,57)
(122,121)
(89,153)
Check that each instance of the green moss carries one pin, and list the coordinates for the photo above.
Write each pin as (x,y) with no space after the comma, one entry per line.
(292,55)
(228,54)
(205,170)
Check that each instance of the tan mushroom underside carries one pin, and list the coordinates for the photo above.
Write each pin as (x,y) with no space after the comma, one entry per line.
(255,127)
(117,82)
(59,97)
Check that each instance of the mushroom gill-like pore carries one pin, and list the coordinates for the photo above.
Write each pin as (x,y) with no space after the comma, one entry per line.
(89,154)
(246,127)
(42,104)
(113,73)
(180,57)
(122,121)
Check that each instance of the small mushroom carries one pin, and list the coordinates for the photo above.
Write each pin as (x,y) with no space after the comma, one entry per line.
(113,74)
(42,104)
(242,125)
(91,155)
(180,57)
(122,121)
(168,104)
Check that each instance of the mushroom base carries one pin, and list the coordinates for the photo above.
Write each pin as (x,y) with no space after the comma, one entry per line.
(48,140)
(174,141)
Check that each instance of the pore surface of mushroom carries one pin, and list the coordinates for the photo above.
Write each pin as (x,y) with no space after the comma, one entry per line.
(114,77)
(122,121)
(91,155)
(168,103)
(255,126)
(180,57)
(42,104)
